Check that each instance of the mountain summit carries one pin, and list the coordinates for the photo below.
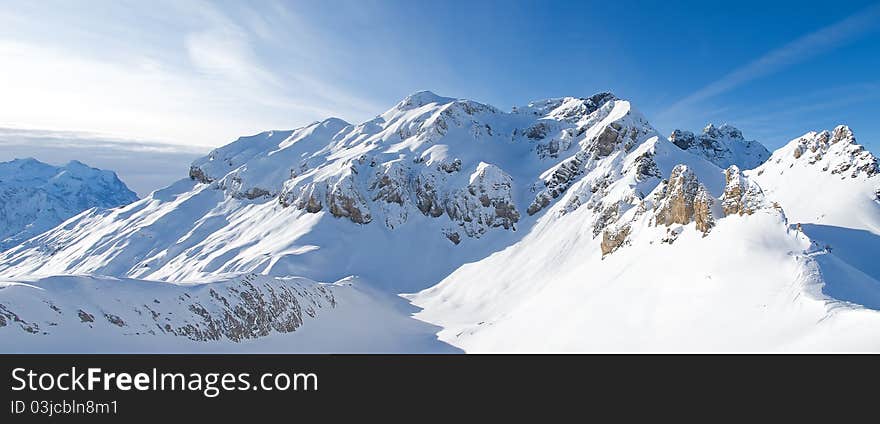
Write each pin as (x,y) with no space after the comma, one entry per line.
(36,196)
(724,146)
(566,224)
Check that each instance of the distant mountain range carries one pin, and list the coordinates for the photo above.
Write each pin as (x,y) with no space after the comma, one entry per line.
(567,224)
(35,196)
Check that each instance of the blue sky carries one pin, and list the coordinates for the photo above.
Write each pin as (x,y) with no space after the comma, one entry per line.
(203,73)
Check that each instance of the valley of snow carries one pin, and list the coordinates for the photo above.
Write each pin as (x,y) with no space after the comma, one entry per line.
(564,225)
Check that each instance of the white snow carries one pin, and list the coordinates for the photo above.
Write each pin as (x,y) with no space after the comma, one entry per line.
(358,320)
(35,196)
(493,223)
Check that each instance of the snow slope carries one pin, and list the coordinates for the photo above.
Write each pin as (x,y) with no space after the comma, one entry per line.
(437,181)
(250,313)
(754,282)
(567,224)
(35,196)
(830,187)
(825,178)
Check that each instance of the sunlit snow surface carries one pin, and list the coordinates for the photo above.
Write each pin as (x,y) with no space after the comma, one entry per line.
(753,283)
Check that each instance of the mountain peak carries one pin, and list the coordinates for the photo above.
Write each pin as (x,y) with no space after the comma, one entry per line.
(843,133)
(825,178)
(566,108)
(833,151)
(44,195)
(512,207)
(422,98)
(723,145)
(725,130)
(334,122)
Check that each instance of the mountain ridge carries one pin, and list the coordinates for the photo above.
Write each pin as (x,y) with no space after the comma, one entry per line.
(37,196)
(483,215)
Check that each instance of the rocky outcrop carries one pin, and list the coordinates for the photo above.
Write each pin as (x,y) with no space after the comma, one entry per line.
(395,188)
(607,215)
(196,174)
(645,167)
(8,317)
(560,179)
(344,200)
(552,147)
(723,146)
(485,203)
(612,239)
(703,205)
(427,197)
(682,200)
(248,307)
(741,196)
(682,139)
(606,141)
(614,136)
(837,152)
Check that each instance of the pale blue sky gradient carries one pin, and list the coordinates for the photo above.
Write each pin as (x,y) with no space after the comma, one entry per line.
(203,73)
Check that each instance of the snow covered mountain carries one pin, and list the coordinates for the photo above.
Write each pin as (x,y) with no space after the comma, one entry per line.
(723,146)
(36,196)
(697,265)
(565,224)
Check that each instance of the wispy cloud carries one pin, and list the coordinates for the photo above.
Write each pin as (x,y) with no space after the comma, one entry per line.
(776,122)
(182,71)
(797,51)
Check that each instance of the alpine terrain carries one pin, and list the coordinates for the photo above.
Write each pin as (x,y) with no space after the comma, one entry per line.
(35,196)
(447,225)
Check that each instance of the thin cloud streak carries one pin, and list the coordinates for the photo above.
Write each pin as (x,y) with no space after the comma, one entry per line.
(192,76)
(799,50)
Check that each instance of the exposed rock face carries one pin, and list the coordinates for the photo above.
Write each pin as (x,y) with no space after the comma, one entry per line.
(486,203)
(676,204)
(552,147)
(427,198)
(741,196)
(8,317)
(607,140)
(538,130)
(345,200)
(612,239)
(85,316)
(836,152)
(196,173)
(453,236)
(683,200)
(248,307)
(646,167)
(703,205)
(560,179)
(723,146)
(568,109)
(401,166)
(607,216)
(682,139)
